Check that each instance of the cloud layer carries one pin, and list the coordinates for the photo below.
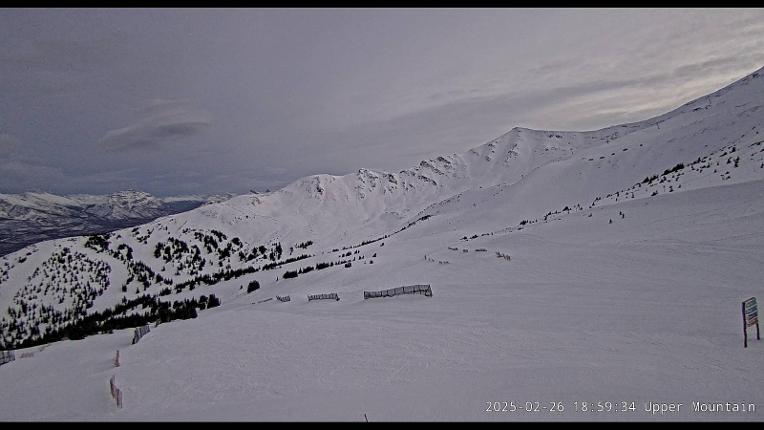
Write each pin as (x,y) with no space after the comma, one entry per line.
(195,101)
(164,122)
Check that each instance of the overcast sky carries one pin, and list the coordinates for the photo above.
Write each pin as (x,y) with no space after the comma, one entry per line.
(201,101)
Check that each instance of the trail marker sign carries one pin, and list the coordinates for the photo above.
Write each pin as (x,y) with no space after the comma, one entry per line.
(750,318)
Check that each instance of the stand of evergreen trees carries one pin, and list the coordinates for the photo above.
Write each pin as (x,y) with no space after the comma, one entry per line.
(110,319)
(254,285)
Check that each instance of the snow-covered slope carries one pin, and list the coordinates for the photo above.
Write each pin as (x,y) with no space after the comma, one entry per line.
(631,249)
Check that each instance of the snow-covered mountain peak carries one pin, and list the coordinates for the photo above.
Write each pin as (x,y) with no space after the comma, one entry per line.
(133,195)
(355,202)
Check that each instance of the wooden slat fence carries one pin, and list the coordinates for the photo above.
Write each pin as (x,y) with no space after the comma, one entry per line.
(409,289)
(332,296)
(7,357)
(140,332)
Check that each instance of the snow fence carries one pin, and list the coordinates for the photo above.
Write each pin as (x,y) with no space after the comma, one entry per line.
(283,299)
(116,393)
(7,357)
(332,296)
(139,333)
(409,289)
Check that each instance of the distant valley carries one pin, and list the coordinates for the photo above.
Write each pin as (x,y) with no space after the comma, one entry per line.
(30,218)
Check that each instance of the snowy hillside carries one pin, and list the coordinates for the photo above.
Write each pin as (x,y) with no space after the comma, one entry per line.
(33,217)
(565,267)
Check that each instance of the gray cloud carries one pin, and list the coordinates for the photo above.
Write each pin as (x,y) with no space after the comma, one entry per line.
(167,121)
(20,176)
(8,144)
(192,101)
(733,65)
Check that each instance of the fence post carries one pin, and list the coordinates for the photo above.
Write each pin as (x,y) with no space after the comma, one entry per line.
(745,328)
(116,393)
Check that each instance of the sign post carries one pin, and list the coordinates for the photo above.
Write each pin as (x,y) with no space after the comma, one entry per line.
(750,318)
